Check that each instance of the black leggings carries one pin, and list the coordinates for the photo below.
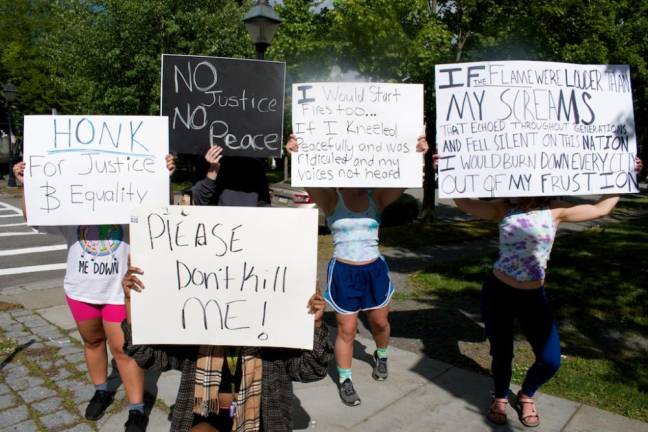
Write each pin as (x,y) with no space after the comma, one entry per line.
(501,304)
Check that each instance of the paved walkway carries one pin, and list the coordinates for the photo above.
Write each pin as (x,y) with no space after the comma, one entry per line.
(44,387)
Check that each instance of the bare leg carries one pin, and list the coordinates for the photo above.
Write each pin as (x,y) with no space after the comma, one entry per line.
(347,326)
(131,374)
(379,324)
(94,347)
(204,427)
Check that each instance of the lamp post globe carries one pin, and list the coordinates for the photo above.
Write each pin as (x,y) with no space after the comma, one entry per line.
(261,21)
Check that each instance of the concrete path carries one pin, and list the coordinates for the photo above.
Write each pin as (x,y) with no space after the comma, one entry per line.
(48,389)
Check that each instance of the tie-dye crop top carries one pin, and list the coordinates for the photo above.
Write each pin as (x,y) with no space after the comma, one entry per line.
(355,234)
(525,242)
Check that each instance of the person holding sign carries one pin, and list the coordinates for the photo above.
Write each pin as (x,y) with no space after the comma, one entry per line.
(233,388)
(232,181)
(358,276)
(515,289)
(96,263)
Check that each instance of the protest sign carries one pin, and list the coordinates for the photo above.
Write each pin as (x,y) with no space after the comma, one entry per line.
(224,275)
(236,104)
(357,134)
(91,170)
(521,128)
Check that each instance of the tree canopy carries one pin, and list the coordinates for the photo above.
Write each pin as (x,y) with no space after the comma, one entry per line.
(81,56)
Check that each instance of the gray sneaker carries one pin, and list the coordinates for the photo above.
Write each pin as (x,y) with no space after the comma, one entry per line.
(348,393)
(380,368)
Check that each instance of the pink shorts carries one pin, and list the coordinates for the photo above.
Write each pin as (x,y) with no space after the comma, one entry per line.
(82,311)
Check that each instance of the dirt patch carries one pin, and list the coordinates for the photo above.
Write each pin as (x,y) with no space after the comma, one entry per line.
(4,306)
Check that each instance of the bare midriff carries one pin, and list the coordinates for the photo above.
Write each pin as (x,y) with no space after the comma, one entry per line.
(225,400)
(508,280)
(355,263)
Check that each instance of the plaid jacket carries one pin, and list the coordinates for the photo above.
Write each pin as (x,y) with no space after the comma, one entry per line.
(281,366)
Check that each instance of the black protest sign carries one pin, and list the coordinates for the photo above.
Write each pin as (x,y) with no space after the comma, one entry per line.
(236,104)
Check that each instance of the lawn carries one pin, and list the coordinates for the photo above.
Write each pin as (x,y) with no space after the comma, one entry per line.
(597,283)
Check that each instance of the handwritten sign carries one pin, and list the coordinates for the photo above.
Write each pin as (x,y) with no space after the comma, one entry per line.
(516,128)
(91,170)
(357,134)
(233,103)
(224,275)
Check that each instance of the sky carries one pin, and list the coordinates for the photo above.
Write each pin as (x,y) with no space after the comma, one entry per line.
(326,3)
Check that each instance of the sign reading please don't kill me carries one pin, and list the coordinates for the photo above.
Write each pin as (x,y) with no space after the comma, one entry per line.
(218,276)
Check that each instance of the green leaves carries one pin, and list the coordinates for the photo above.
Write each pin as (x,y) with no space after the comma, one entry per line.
(104,56)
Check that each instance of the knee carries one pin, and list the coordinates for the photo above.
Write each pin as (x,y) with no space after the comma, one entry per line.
(551,362)
(94,342)
(381,325)
(347,332)
(118,351)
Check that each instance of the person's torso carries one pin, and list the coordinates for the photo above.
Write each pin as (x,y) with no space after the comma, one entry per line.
(355,234)
(97,260)
(525,242)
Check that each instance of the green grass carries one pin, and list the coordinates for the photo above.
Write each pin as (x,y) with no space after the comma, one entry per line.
(180,186)
(7,346)
(274,176)
(418,235)
(597,283)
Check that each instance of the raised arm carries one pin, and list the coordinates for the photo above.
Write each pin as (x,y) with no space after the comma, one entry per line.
(488,210)
(171,167)
(204,190)
(567,212)
(386,196)
(19,174)
(325,198)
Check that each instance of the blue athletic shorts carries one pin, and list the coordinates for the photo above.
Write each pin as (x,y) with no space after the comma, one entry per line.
(352,288)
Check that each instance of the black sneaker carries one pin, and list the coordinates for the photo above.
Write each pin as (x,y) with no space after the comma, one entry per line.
(98,404)
(348,393)
(136,422)
(380,368)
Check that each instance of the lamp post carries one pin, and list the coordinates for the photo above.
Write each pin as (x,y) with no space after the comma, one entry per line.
(10,96)
(261,21)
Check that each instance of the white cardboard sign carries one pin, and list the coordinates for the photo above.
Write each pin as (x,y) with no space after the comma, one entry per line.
(523,128)
(354,134)
(91,170)
(224,275)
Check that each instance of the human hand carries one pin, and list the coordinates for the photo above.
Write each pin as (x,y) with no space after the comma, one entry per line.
(422,144)
(638,165)
(170,163)
(435,160)
(213,157)
(19,171)
(316,306)
(131,281)
(292,146)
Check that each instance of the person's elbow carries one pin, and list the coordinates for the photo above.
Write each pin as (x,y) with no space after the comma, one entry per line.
(603,212)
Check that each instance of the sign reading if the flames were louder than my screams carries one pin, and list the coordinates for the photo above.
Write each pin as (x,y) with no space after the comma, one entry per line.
(520,128)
